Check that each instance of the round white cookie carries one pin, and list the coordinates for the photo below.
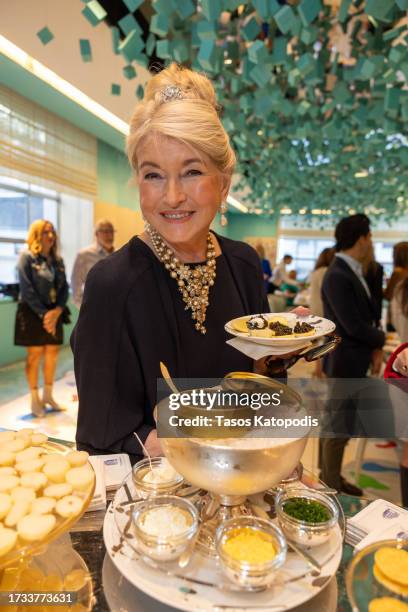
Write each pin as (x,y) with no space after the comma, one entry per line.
(39,438)
(77,458)
(26,431)
(5,504)
(28,454)
(68,506)
(57,469)
(33,480)
(51,457)
(22,494)
(8,539)
(10,471)
(43,505)
(8,482)
(7,458)
(18,510)
(15,446)
(80,478)
(35,526)
(58,490)
(6,436)
(33,465)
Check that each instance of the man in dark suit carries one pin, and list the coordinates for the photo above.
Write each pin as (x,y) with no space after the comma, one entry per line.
(348,302)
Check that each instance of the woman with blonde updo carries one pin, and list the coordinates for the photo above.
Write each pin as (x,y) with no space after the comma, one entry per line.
(42,302)
(167,294)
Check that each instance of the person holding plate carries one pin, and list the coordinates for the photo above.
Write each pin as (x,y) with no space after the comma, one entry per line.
(167,294)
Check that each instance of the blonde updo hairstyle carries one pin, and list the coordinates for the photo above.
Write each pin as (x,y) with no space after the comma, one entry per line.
(193,119)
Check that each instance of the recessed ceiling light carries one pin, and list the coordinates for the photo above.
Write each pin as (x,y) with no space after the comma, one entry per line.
(234,202)
(43,73)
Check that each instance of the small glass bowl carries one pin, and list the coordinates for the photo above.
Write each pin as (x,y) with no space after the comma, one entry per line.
(302,532)
(164,547)
(246,574)
(150,489)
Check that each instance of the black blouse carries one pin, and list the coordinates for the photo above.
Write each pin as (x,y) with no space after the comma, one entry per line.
(132,317)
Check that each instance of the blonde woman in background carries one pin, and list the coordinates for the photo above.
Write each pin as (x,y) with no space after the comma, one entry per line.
(316,305)
(39,318)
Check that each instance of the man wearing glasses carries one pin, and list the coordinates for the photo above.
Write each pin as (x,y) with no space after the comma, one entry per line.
(90,255)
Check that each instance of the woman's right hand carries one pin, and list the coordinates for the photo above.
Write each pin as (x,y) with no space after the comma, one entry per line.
(152,444)
(50,320)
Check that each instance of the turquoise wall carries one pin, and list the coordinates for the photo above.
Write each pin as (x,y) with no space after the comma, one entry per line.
(114,176)
(241,225)
(10,353)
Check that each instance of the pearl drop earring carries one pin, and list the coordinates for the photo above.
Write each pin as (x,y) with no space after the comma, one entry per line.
(223,210)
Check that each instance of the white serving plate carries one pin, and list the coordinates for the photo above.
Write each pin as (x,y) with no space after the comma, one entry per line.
(322,328)
(202,586)
(121,595)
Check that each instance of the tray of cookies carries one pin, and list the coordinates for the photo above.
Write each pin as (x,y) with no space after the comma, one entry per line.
(279,328)
(45,488)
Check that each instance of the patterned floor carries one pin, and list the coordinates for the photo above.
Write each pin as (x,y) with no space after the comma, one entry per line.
(16,413)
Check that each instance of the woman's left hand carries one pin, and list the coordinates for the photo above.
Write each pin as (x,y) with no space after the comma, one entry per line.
(261,365)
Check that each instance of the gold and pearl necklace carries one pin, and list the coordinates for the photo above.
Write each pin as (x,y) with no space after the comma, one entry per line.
(193,283)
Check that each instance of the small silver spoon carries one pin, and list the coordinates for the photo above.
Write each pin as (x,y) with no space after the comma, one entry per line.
(208,513)
(327,490)
(306,557)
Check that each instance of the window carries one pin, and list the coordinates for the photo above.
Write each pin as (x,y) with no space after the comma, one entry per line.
(298,237)
(304,251)
(38,146)
(48,170)
(383,254)
(21,204)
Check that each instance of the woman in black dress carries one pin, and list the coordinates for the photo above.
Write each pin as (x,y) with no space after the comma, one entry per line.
(166,295)
(42,301)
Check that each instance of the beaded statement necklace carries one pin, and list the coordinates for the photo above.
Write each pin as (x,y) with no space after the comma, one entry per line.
(193,283)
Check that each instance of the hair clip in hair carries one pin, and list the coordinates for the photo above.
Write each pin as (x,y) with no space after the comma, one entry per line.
(171,92)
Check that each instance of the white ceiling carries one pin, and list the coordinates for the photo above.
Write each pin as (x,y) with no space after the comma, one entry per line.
(20,20)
